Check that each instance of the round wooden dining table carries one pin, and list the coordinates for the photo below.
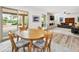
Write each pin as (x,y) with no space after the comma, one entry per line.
(31,35)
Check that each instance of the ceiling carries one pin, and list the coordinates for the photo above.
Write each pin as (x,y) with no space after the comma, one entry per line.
(52,9)
(60,9)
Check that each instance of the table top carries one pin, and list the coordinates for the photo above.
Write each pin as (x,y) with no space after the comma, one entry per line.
(32,34)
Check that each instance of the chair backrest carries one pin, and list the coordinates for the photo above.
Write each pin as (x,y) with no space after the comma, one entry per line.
(39,27)
(22,28)
(11,37)
(48,36)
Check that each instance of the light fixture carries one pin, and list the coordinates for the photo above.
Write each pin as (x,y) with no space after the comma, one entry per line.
(66,12)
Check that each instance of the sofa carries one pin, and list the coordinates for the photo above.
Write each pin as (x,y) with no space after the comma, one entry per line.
(75,30)
(63,25)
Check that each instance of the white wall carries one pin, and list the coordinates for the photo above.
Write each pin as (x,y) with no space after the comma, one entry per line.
(57,17)
(34,13)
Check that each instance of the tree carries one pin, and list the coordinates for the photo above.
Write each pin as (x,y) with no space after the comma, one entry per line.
(5,20)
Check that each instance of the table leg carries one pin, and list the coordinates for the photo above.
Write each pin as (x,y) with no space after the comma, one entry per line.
(30,46)
(17,38)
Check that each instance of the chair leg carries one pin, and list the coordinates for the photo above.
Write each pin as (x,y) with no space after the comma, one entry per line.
(33,49)
(24,49)
(17,38)
(37,50)
(28,49)
(16,50)
(43,49)
(12,49)
(49,49)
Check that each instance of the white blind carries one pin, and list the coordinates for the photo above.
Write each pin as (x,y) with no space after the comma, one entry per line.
(9,10)
(22,12)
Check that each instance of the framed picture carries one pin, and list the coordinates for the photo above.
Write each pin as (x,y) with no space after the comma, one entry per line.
(36,18)
(61,19)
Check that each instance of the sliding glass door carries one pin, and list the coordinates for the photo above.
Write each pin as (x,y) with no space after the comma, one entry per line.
(9,23)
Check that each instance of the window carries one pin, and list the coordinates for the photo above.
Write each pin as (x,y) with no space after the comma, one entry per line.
(23,18)
(44,21)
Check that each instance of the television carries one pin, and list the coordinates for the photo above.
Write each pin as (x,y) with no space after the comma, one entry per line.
(51,24)
(51,17)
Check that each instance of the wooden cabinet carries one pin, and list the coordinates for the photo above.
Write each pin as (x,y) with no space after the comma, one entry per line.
(69,20)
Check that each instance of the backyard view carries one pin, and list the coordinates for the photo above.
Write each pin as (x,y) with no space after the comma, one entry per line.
(9,24)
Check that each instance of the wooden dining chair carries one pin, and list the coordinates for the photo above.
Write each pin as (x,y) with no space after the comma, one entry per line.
(21,29)
(19,44)
(49,37)
(39,27)
(44,43)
